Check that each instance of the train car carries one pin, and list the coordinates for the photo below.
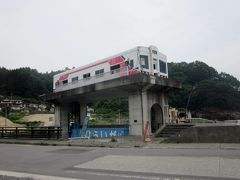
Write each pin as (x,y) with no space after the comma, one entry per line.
(137,60)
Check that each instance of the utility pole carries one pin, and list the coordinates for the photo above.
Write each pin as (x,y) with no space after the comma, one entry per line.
(189,97)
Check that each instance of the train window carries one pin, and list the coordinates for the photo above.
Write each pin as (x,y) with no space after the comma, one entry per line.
(87,75)
(131,63)
(154,52)
(115,68)
(144,61)
(75,79)
(163,67)
(65,82)
(99,72)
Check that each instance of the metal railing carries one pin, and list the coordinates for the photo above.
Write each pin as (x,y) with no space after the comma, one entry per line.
(93,79)
(31,132)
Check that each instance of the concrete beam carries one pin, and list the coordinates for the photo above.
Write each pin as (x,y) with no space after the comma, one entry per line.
(112,88)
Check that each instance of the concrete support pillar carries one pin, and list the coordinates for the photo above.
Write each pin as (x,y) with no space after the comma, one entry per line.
(57,115)
(64,110)
(146,111)
(138,112)
(76,112)
(135,113)
(140,104)
(83,112)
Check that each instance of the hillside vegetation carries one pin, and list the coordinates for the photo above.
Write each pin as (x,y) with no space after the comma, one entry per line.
(205,92)
(25,82)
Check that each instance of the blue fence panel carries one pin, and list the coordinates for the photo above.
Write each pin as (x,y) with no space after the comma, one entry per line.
(101,132)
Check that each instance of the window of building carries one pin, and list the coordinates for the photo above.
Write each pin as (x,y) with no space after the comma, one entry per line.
(144,61)
(75,79)
(65,82)
(163,66)
(99,72)
(115,68)
(87,75)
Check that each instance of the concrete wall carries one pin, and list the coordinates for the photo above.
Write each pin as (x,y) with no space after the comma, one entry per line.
(208,134)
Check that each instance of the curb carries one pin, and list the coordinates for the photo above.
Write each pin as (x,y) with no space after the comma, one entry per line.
(155,145)
(11,175)
(74,144)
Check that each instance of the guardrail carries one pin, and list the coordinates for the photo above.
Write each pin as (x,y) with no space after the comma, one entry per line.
(31,132)
(93,79)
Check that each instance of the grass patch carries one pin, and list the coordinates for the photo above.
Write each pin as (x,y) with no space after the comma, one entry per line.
(99,122)
(16,116)
(33,124)
(19,121)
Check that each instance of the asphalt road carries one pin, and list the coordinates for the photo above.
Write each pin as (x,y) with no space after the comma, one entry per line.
(122,163)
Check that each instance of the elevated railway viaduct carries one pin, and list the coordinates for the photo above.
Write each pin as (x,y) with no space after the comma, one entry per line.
(147,98)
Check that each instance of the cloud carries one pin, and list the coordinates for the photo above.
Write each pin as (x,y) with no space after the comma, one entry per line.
(53,34)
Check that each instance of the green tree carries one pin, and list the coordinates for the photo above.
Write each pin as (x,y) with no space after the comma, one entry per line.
(207,88)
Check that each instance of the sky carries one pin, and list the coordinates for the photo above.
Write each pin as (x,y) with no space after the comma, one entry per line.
(53,34)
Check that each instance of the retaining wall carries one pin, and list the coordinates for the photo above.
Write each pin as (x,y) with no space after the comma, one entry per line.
(208,134)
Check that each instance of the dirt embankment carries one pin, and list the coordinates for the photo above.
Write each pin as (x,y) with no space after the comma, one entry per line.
(4,122)
(46,119)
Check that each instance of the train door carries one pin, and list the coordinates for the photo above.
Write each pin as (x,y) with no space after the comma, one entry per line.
(155,67)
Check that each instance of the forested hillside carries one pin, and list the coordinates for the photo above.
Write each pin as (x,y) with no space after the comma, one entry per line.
(204,89)
(25,83)
(213,94)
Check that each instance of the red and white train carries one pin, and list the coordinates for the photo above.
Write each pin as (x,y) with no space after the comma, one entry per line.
(137,60)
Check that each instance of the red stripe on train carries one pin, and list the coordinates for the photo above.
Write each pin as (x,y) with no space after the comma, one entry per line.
(116,60)
(112,61)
